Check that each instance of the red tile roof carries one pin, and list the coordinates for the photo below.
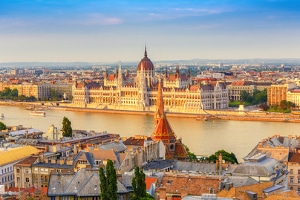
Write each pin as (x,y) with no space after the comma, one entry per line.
(149,181)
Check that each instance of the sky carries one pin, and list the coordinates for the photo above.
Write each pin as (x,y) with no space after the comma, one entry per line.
(118,30)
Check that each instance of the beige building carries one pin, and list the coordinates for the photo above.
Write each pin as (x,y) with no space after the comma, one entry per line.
(294,97)
(39,90)
(293,180)
(235,88)
(144,149)
(23,172)
(140,94)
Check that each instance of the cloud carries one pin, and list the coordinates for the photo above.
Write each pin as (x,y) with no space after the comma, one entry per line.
(12,23)
(177,13)
(97,19)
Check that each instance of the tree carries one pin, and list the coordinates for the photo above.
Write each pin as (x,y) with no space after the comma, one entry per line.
(229,157)
(108,185)
(245,96)
(103,189)
(192,156)
(139,185)
(2,126)
(66,127)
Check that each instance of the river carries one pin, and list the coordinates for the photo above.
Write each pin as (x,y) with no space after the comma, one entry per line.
(202,137)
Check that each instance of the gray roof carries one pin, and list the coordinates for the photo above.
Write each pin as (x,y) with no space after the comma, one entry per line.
(194,166)
(273,188)
(116,146)
(159,165)
(264,168)
(127,179)
(53,165)
(23,131)
(239,181)
(85,182)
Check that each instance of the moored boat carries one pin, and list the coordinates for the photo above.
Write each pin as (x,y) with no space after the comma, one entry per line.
(38,113)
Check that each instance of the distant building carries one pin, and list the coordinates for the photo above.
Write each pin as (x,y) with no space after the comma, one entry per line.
(122,92)
(277,93)
(294,97)
(235,88)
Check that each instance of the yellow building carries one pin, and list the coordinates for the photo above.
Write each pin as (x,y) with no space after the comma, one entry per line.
(9,158)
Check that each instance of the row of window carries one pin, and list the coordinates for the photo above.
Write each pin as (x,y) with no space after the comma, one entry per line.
(7,178)
(292,180)
(6,169)
(292,171)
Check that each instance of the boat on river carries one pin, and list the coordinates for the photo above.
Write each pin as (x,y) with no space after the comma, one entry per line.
(2,116)
(38,113)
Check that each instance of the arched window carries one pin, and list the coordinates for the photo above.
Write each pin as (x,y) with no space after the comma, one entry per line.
(172,147)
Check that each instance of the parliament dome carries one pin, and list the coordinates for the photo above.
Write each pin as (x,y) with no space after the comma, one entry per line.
(145,63)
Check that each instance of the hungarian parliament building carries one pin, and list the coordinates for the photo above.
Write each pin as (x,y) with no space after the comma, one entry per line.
(122,92)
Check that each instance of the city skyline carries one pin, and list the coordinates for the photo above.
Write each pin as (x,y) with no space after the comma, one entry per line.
(109,31)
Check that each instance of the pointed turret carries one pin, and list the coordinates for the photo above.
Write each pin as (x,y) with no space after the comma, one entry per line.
(177,71)
(120,75)
(145,54)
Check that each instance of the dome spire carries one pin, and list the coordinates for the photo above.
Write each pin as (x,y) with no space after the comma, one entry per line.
(145,54)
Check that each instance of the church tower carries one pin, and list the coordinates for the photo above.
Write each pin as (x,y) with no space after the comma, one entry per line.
(162,130)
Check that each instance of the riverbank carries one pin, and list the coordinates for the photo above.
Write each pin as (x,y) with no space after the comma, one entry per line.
(208,116)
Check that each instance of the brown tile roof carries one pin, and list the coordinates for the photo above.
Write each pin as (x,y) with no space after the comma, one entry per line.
(239,192)
(289,195)
(192,185)
(27,161)
(180,150)
(294,157)
(134,141)
(100,154)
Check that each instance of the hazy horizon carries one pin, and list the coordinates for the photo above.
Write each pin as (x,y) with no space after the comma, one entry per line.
(111,31)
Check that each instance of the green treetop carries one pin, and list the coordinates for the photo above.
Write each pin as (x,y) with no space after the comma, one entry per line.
(66,127)
(108,182)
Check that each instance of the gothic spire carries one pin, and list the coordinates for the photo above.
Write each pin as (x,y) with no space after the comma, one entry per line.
(145,54)
(159,103)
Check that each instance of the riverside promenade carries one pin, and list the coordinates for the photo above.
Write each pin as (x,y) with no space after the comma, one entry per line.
(239,115)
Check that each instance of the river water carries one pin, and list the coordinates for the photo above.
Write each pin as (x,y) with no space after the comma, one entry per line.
(202,137)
